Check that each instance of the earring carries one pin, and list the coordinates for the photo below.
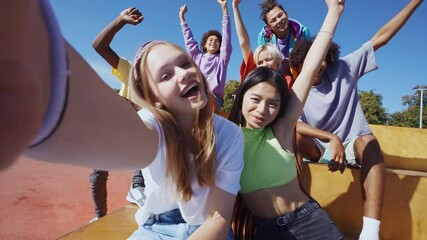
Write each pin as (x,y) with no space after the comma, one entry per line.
(158,105)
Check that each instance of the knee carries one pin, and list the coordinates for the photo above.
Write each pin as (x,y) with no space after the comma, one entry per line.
(305,147)
(368,149)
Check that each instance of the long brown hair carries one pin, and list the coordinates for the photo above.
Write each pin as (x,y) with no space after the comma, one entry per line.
(178,165)
(243,221)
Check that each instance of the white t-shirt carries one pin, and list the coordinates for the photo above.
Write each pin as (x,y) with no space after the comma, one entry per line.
(160,193)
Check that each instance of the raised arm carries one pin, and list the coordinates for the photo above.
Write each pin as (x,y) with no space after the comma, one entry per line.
(191,44)
(102,42)
(312,62)
(242,33)
(224,7)
(226,47)
(387,32)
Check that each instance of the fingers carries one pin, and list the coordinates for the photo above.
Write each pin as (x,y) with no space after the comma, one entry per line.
(134,11)
(134,16)
(334,166)
(183,8)
(337,162)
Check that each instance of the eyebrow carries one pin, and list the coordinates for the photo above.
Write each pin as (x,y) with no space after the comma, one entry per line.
(272,99)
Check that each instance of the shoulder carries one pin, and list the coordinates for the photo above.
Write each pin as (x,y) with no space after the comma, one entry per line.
(223,125)
(227,131)
(149,119)
(366,49)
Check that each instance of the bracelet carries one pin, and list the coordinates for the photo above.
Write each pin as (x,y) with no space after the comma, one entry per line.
(332,35)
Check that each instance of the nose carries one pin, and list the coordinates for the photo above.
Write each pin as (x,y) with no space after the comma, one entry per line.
(262,109)
(182,74)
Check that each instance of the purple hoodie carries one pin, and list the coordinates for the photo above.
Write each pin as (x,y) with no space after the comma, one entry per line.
(213,66)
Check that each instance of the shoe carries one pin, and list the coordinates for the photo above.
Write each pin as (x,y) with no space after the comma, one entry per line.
(136,195)
(94,219)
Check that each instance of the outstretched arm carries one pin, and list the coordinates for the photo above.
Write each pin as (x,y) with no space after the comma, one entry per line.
(86,134)
(102,42)
(387,32)
(311,65)
(242,33)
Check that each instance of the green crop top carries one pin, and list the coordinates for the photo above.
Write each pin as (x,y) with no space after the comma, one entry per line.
(267,164)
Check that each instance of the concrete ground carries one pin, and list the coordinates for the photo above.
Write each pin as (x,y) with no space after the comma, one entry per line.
(40,200)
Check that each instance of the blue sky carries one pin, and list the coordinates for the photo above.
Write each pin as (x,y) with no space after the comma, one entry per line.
(401,62)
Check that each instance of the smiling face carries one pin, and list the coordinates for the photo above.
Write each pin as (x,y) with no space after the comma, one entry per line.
(277,20)
(265,59)
(174,80)
(212,44)
(261,105)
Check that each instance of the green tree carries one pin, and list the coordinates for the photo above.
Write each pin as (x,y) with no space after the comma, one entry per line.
(372,107)
(411,116)
(229,91)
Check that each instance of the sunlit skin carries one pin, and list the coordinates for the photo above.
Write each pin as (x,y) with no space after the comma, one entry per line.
(266,60)
(277,20)
(171,75)
(261,104)
(212,44)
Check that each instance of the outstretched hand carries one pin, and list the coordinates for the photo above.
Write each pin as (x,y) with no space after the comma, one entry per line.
(132,16)
(335,5)
(182,11)
(223,3)
(236,3)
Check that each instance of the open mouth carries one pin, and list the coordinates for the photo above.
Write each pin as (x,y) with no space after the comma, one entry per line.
(191,90)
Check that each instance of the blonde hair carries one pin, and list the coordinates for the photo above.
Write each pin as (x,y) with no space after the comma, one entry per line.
(178,164)
(271,49)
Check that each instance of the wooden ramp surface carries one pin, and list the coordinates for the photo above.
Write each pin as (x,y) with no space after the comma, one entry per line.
(117,225)
(404,207)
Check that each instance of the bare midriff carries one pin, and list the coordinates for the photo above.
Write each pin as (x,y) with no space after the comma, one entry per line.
(277,201)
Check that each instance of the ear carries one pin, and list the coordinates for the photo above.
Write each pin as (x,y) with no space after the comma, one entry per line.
(158,105)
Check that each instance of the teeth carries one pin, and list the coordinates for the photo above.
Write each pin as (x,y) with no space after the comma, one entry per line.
(188,88)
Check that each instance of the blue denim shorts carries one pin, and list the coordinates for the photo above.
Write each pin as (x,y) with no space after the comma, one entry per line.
(309,221)
(167,226)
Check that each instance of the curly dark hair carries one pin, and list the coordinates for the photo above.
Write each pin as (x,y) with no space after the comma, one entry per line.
(205,37)
(266,6)
(300,50)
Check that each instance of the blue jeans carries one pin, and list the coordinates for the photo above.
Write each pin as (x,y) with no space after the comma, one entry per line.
(309,221)
(167,226)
